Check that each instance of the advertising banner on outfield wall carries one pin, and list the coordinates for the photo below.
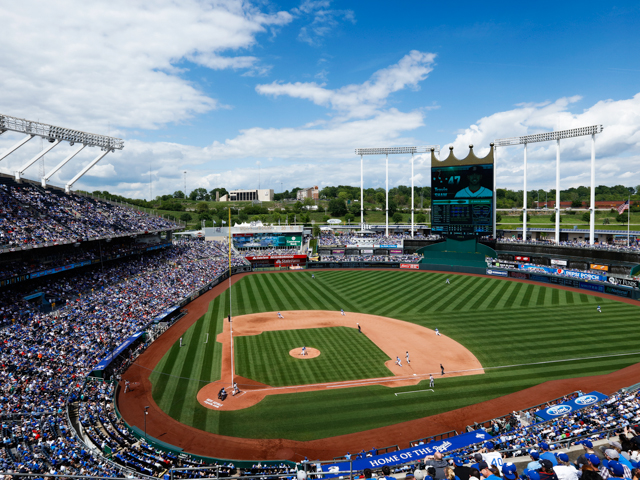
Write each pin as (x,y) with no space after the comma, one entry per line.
(562,263)
(411,266)
(565,273)
(409,454)
(570,406)
(524,276)
(596,266)
(497,273)
(623,282)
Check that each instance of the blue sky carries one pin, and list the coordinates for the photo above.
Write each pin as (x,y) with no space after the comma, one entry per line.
(226,90)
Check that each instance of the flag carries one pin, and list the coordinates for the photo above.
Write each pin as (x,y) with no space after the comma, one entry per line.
(623,207)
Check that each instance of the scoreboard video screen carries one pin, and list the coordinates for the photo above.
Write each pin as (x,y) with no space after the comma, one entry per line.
(462,200)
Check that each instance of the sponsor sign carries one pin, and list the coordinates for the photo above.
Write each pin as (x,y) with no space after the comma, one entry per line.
(395,251)
(274,257)
(592,287)
(567,282)
(565,273)
(412,266)
(520,258)
(386,246)
(562,263)
(518,275)
(293,240)
(367,251)
(570,406)
(497,273)
(539,278)
(621,292)
(596,266)
(337,252)
(623,282)
(409,454)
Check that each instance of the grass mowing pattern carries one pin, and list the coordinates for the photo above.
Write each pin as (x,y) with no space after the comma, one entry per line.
(343,351)
(501,322)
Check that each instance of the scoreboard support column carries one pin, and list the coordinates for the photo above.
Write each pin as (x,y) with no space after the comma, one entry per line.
(495,205)
(412,195)
(386,214)
(524,198)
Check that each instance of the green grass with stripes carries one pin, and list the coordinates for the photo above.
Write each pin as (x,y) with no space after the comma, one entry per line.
(502,323)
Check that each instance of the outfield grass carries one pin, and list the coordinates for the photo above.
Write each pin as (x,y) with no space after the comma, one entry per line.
(500,322)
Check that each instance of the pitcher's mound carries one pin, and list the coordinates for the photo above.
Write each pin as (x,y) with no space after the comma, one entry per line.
(311,353)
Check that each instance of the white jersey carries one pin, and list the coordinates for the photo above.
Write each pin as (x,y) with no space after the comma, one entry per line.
(493,458)
(566,472)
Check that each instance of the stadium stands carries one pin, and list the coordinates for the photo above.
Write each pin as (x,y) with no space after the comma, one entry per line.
(58,420)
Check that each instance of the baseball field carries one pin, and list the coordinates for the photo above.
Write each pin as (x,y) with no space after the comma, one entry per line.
(521,334)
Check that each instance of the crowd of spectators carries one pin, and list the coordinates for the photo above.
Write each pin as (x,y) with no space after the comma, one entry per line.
(371,258)
(269,251)
(44,358)
(344,239)
(575,244)
(30,215)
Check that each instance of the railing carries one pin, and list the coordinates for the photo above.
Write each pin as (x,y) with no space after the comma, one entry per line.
(440,436)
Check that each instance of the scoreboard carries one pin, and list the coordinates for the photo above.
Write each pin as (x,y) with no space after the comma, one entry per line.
(462,200)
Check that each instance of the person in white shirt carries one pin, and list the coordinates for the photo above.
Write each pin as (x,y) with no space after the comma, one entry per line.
(564,470)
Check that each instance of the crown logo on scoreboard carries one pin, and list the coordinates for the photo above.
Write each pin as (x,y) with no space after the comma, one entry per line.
(470,159)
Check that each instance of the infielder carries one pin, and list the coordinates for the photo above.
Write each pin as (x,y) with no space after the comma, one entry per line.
(407,357)
(432,382)
(342,311)
(441,369)
(438,333)
(359,328)
(280,315)
(398,362)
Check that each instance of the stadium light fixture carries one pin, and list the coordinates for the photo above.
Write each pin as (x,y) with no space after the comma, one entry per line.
(52,133)
(389,151)
(591,130)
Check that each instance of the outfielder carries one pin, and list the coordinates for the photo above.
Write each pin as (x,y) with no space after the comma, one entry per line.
(448,282)
(180,341)
(599,309)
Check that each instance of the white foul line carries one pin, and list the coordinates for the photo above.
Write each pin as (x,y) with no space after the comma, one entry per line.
(414,391)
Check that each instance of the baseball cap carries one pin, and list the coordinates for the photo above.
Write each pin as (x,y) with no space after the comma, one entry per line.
(595,461)
(534,454)
(611,453)
(586,442)
(482,466)
(489,445)
(546,463)
(458,461)
(563,457)
(509,471)
(544,445)
(428,477)
(616,468)
(533,475)
(477,457)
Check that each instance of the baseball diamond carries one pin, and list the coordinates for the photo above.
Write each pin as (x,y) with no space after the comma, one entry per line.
(527,342)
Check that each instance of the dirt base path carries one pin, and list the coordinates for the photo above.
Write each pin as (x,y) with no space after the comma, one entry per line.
(192,440)
(393,337)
